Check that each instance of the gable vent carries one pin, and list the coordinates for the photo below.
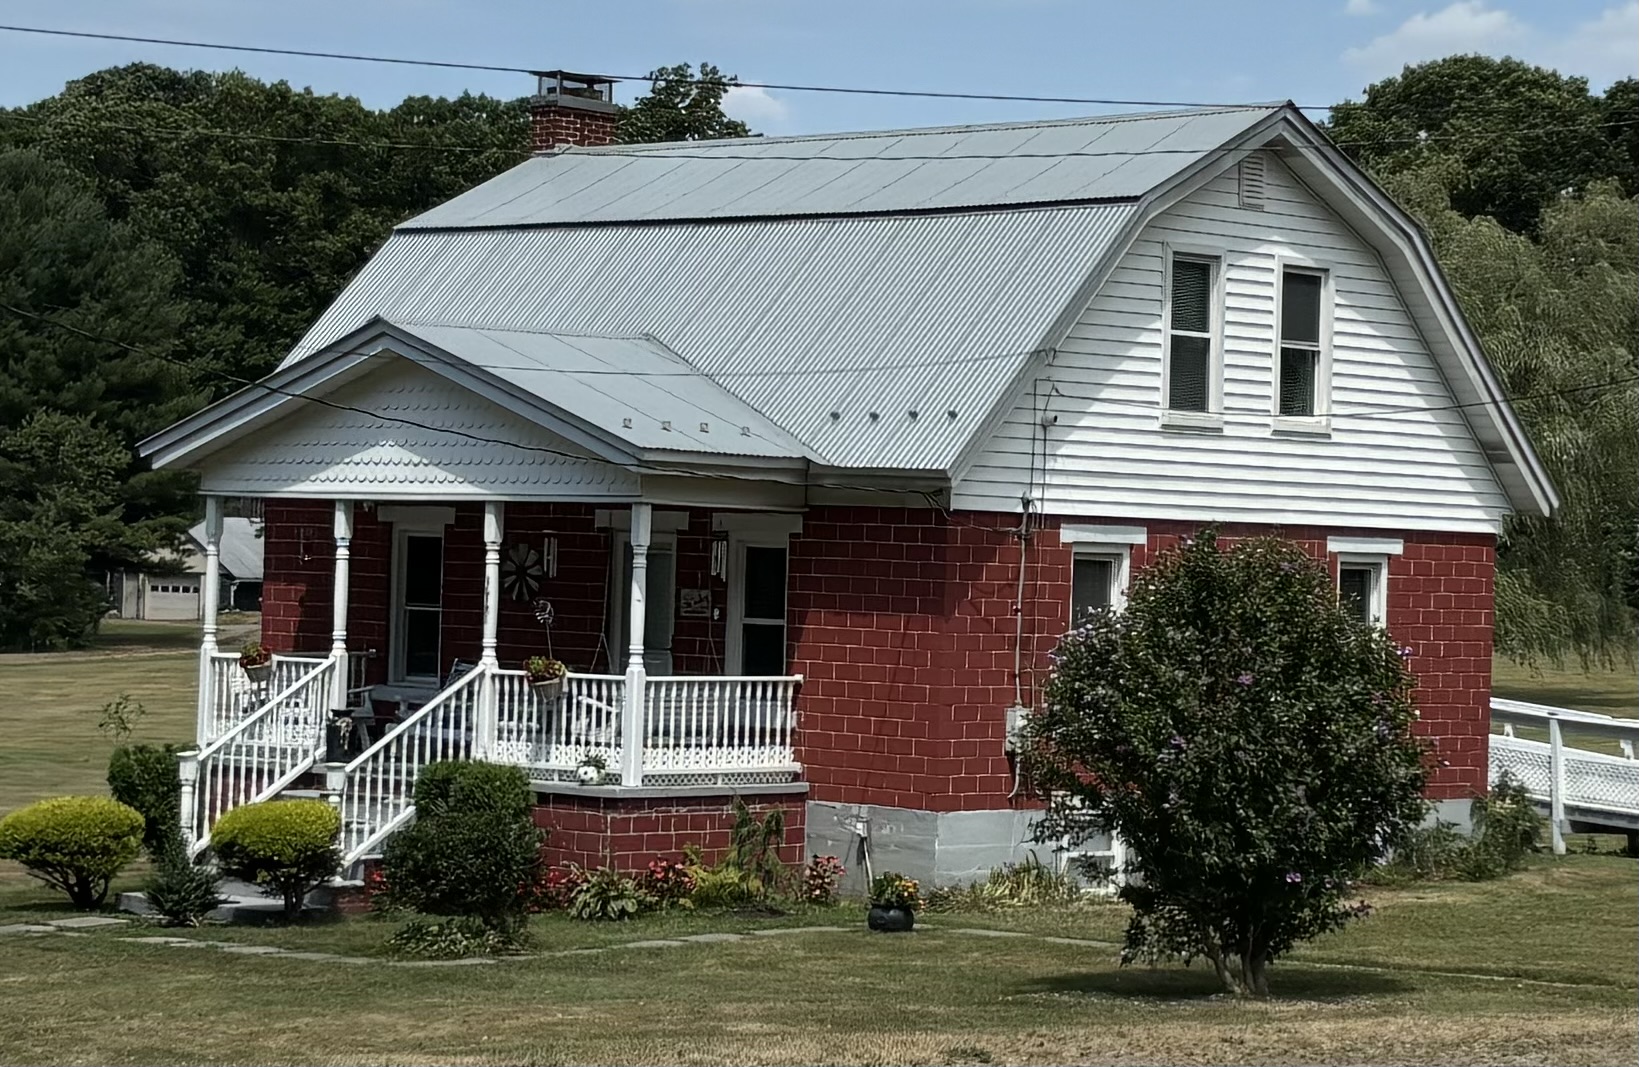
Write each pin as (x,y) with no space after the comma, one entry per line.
(1252,182)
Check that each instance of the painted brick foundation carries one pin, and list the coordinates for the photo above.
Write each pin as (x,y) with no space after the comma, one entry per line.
(626,833)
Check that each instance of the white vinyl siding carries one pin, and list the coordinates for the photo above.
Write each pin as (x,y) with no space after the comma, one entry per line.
(1110,453)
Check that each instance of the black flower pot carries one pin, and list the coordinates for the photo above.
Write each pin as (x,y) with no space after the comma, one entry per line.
(890,920)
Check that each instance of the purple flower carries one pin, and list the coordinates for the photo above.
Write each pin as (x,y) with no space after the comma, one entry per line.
(1405,652)
(1176,741)
(1293,878)
(1288,566)
(1244,679)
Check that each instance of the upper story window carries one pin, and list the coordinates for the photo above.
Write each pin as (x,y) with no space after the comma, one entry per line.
(1192,346)
(1303,362)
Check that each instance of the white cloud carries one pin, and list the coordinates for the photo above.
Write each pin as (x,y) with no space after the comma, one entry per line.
(1361,7)
(755,107)
(1465,26)
(1599,49)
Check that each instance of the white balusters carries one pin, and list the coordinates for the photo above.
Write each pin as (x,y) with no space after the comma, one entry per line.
(710,725)
(262,753)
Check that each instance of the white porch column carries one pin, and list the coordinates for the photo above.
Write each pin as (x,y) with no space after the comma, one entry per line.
(631,730)
(488,704)
(338,603)
(210,597)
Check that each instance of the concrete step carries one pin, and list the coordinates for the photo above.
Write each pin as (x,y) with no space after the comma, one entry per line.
(242,902)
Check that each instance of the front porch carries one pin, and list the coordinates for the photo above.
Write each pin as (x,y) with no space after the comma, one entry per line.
(417,672)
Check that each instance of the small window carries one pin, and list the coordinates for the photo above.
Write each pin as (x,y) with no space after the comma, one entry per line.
(1302,353)
(1190,321)
(421,605)
(762,611)
(1095,584)
(1361,589)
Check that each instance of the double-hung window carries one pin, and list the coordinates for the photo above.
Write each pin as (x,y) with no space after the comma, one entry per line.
(1303,359)
(419,614)
(1191,324)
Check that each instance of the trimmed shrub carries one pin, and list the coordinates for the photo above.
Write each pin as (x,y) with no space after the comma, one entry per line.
(182,893)
(75,844)
(285,846)
(473,852)
(471,786)
(146,778)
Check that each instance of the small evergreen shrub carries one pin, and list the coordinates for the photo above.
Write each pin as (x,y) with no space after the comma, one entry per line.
(75,844)
(473,851)
(178,890)
(610,896)
(146,778)
(285,846)
(471,786)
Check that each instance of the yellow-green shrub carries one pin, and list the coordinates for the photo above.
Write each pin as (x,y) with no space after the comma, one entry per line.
(76,844)
(286,846)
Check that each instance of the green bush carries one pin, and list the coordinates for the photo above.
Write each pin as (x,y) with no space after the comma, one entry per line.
(1507,828)
(1028,883)
(178,890)
(750,869)
(608,895)
(285,846)
(75,844)
(448,940)
(472,786)
(146,778)
(473,851)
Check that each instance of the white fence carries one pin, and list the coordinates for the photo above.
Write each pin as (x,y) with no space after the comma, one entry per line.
(729,725)
(1571,782)
(556,734)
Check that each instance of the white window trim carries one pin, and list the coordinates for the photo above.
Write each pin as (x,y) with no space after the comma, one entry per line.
(1378,608)
(1103,535)
(1366,546)
(1321,421)
(403,530)
(1119,554)
(1213,417)
(732,650)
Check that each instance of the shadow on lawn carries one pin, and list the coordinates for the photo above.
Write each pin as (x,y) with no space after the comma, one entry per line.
(1291,982)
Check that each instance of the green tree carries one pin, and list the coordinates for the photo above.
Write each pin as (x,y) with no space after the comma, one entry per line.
(1522,135)
(681,107)
(1248,740)
(59,485)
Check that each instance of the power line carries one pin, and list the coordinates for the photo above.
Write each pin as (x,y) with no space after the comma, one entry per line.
(534,72)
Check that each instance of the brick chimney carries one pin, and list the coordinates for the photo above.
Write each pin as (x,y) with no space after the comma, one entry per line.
(571,109)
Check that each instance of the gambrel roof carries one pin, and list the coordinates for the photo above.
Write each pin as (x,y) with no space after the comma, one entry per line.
(873,299)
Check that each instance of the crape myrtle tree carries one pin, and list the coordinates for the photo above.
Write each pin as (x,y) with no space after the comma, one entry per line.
(1249,741)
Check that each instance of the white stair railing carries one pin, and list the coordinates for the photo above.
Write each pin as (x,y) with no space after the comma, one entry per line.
(719,724)
(260,755)
(1599,786)
(378,787)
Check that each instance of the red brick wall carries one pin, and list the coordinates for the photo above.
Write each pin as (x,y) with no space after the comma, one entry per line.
(626,834)
(903,623)
(550,126)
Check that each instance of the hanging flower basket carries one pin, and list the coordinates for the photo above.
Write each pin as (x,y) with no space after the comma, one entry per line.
(256,661)
(546,677)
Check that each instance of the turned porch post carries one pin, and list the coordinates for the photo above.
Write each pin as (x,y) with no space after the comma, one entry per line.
(483,742)
(338,603)
(210,596)
(631,727)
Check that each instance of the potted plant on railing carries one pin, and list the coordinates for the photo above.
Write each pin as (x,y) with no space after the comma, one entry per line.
(592,768)
(256,661)
(894,900)
(546,677)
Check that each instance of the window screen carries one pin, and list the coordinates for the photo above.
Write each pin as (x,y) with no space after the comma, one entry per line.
(1092,586)
(1189,341)
(762,611)
(1357,590)
(1299,371)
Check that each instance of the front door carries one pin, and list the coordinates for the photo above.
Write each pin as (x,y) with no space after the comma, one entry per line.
(418,607)
(756,600)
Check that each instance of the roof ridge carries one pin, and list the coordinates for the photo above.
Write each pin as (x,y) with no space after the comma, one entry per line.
(914,131)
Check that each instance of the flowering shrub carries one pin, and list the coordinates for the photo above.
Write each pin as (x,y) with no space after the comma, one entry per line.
(893,890)
(555,887)
(668,882)
(1248,739)
(820,878)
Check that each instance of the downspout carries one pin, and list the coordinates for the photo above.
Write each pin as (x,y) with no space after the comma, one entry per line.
(1018,604)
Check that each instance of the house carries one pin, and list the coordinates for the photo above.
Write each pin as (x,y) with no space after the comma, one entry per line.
(809,448)
(171,590)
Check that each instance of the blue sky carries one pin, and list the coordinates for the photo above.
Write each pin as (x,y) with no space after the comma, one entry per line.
(1312,51)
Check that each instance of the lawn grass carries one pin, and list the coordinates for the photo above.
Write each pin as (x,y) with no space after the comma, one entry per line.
(1606,691)
(1413,984)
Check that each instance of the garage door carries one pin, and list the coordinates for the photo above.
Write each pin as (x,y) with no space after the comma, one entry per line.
(171,598)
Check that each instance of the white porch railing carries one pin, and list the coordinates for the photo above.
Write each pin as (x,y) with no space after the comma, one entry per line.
(257,757)
(378,787)
(230,695)
(701,725)
(1599,787)
(583,721)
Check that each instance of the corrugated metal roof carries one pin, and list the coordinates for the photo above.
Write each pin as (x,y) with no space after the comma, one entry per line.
(877,342)
(240,548)
(632,388)
(1109,157)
